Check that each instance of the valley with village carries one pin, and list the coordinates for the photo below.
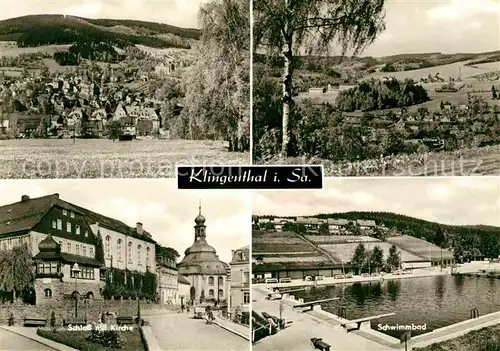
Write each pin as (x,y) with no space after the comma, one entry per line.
(105,91)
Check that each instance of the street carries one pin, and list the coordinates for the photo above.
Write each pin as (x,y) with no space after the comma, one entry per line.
(13,342)
(179,331)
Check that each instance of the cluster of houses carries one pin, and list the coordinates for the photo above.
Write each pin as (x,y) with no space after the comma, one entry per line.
(82,103)
(313,224)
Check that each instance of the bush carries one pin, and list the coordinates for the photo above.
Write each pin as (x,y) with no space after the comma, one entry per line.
(53,319)
(106,338)
(11,319)
(69,339)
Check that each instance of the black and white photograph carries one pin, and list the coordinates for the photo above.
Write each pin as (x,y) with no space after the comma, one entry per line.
(385,264)
(378,87)
(123,265)
(122,89)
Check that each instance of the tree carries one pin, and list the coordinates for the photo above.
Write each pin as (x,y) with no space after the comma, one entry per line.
(394,259)
(114,130)
(217,102)
(286,26)
(359,258)
(439,237)
(377,259)
(16,270)
(192,294)
(494,94)
(202,296)
(99,248)
(324,229)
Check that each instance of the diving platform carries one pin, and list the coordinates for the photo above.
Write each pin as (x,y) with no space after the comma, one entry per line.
(310,305)
(360,321)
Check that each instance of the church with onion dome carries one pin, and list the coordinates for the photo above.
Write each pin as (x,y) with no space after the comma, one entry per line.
(201,266)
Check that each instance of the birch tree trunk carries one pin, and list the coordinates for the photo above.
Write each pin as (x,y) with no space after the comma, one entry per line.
(287,94)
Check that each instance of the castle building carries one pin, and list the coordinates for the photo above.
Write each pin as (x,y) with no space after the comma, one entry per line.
(59,234)
(203,269)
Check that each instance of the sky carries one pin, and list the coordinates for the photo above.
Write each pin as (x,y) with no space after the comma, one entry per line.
(182,13)
(165,212)
(447,26)
(454,201)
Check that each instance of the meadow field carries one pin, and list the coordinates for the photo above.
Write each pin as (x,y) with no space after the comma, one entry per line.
(9,48)
(464,162)
(102,158)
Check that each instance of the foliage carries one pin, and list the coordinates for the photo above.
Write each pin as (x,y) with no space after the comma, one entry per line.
(394,259)
(359,258)
(167,252)
(114,130)
(99,248)
(376,94)
(66,59)
(283,27)
(35,30)
(466,241)
(11,320)
(52,319)
(106,338)
(376,260)
(217,88)
(16,270)
(124,283)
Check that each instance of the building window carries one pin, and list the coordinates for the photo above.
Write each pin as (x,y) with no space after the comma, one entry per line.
(47,268)
(119,249)
(246,277)
(129,252)
(92,252)
(85,273)
(72,214)
(77,228)
(65,212)
(60,244)
(54,224)
(221,293)
(221,281)
(246,297)
(59,224)
(47,293)
(210,280)
(139,255)
(108,247)
(86,234)
(69,247)
(84,249)
(147,255)
(68,227)
(77,249)
(211,292)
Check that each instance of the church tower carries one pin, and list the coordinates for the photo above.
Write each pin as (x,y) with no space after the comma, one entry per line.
(200,227)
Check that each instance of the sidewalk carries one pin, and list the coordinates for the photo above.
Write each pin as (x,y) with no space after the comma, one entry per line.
(235,328)
(30,333)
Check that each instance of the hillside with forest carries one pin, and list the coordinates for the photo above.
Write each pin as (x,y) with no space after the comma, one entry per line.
(465,241)
(38,30)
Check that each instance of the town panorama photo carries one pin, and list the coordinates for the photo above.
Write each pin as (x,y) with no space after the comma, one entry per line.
(378,88)
(106,89)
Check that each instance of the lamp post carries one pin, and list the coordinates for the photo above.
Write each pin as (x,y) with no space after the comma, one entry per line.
(76,271)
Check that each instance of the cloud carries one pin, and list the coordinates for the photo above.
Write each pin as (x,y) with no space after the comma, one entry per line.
(458,10)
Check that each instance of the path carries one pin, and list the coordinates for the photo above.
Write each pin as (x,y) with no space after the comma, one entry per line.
(13,342)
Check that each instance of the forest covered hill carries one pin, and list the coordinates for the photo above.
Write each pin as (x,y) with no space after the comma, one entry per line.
(37,30)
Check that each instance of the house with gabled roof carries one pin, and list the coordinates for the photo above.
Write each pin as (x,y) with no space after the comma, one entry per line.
(60,234)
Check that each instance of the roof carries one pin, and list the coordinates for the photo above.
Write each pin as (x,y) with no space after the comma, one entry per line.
(337,221)
(367,223)
(67,258)
(24,215)
(242,255)
(294,266)
(114,224)
(182,280)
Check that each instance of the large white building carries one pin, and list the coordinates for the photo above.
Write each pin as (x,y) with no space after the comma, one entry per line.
(240,281)
(203,269)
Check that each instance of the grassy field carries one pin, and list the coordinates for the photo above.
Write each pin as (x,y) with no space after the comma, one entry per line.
(335,239)
(419,246)
(346,251)
(9,48)
(486,339)
(465,162)
(101,158)
(446,71)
